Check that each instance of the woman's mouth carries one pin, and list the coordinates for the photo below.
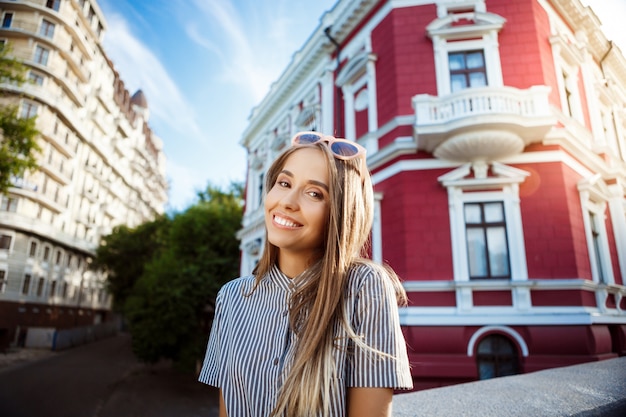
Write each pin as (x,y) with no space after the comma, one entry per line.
(281,221)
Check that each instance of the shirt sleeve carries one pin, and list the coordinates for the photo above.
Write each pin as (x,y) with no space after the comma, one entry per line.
(210,372)
(376,321)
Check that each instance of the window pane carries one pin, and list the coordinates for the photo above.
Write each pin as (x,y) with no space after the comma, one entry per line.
(478,79)
(6,20)
(5,242)
(475,60)
(472,214)
(456,61)
(498,253)
(494,213)
(476,253)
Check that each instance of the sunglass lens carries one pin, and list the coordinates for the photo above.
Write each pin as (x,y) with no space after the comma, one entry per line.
(344,149)
(307,138)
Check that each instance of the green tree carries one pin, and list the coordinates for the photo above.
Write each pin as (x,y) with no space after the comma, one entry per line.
(169,304)
(124,253)
(18,144)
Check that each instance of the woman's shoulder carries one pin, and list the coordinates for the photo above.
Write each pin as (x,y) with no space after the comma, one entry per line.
(365,272)
(236,285)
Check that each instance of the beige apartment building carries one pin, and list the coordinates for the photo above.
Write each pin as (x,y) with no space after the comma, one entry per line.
(100,166)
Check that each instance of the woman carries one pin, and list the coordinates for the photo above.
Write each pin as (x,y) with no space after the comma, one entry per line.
(315,330)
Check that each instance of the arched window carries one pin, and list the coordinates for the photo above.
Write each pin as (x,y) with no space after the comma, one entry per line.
(497,356)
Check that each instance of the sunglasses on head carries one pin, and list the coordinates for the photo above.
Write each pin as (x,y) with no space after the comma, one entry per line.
(340,148)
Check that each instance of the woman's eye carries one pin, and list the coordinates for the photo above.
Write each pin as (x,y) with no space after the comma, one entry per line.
(282,183)
(316,195)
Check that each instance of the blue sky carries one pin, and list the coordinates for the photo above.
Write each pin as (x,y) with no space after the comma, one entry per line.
(204,64)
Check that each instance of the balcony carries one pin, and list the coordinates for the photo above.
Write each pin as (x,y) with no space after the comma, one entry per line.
(482,124)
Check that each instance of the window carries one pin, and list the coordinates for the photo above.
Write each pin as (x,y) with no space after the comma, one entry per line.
(260,189)
(46,29)
(595,241)
(58,256)
(5,242)
(594,198)
(8,204)
(26,285)
(28,110)
(46,253)
(466,54)
(35,78)
(53,288)
(41,55)
(486,223)
(496,356)
(33,249)
(3,280)
(40,285)
(53,4)
(467,69)
(487,248)
(7,19)
(568,60)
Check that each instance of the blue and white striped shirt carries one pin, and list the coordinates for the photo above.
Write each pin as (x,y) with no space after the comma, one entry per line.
(251,346)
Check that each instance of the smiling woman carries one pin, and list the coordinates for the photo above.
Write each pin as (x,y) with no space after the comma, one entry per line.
(315,330)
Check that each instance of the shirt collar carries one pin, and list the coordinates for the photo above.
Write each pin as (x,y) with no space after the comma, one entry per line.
(280,279)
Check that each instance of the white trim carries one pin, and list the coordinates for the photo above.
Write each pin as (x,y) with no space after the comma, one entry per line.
(506,190)
(450,316)
(525,158)
(593,199)
(502,329)
(448,38)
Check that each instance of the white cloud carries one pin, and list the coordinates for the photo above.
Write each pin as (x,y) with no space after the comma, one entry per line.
(246,51)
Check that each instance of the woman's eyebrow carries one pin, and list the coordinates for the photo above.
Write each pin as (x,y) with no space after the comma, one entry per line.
(319,184)
(314,182)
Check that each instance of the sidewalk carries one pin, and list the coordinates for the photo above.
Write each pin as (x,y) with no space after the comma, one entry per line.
(18,356)
(100,379)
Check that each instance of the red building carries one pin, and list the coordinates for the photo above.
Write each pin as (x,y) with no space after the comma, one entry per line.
(496,137)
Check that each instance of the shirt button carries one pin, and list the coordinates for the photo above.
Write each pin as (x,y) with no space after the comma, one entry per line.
(276,361)
(285,313)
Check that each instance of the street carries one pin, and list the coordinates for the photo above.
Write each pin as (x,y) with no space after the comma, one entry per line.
(102,379)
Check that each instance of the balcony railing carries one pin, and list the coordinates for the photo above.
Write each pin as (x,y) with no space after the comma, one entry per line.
(522,116)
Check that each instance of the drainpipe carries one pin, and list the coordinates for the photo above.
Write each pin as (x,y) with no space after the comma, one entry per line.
(338,128)
(606,54)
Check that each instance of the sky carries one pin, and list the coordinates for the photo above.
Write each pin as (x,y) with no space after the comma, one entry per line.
(204,64)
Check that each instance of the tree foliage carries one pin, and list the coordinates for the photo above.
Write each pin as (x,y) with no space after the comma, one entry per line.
(18,144)
(166,274)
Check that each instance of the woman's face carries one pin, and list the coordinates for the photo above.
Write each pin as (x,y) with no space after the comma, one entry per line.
(297,206)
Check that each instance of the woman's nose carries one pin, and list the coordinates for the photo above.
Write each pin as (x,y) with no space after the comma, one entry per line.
(290,199)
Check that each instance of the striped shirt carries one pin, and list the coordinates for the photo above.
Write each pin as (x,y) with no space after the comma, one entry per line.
(251,345)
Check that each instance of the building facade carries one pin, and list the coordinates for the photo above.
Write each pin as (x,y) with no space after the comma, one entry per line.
(496,138)
(100,166)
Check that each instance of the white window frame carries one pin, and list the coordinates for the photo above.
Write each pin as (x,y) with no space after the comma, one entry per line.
(43,53)
(594,198)
(29,109)
(504,187)
(11,19)
(47,28)
(481,36)
(359,77)
(567,64)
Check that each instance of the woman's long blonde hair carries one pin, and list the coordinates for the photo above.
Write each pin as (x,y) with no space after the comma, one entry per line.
(318,304)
